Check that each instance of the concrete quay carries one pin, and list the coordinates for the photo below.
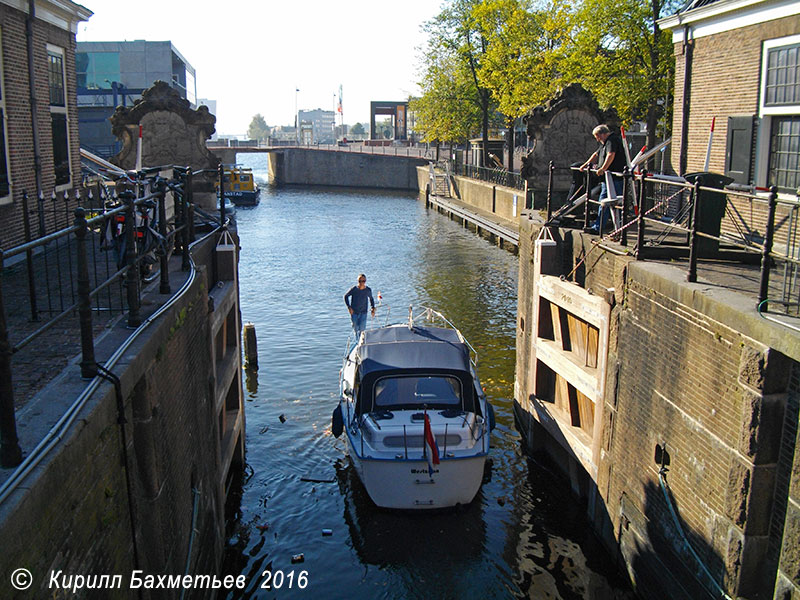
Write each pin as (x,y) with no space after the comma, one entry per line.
(133,474)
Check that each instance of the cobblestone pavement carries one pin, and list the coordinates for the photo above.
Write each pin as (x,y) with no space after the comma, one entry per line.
(54,275)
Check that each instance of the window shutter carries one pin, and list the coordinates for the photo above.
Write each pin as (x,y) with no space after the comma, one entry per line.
(739,149)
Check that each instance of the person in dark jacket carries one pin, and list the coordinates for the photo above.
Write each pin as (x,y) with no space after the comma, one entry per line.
(356,300)
(610,157)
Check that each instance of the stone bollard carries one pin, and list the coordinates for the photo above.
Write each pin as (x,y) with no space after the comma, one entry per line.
(250,347)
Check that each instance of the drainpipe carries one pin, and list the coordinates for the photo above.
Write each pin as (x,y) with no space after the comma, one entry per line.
(37,159)
(687,92)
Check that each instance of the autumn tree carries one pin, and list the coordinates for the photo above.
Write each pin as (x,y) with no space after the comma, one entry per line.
(455,43)
(521,66)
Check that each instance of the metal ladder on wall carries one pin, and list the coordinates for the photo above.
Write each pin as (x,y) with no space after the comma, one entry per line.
(440,179)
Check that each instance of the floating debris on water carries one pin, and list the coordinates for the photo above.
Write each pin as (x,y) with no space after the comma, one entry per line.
(282,418)
(310,479)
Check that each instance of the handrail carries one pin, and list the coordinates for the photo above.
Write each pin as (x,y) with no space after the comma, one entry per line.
(57,432)
(431,314)
(144,232)
(658,199)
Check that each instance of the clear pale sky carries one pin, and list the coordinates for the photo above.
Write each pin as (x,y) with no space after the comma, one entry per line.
(251,55)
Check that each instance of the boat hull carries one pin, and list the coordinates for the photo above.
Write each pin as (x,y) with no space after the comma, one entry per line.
(406,484)
(243,198)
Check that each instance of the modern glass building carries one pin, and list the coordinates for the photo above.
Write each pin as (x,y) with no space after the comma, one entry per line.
(111,74)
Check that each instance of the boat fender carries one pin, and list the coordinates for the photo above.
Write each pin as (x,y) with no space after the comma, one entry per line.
(337,421)
(490,414)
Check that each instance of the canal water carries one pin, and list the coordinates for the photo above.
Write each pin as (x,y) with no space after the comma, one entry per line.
(522,537)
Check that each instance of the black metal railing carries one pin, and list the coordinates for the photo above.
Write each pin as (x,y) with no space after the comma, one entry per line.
(498,176)
(93,264)
(698,219)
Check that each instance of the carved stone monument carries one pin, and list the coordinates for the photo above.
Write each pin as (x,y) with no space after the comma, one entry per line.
(562,132)
(172,134)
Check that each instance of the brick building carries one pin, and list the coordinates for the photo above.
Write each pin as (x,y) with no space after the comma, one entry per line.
(37,37)
(738,61)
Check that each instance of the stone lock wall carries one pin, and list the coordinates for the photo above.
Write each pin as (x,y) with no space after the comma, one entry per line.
(309,166)
(505,202)
(701,388)
(104,504)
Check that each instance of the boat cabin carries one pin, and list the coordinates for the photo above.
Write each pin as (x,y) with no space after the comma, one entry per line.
(239,179)
(402,368)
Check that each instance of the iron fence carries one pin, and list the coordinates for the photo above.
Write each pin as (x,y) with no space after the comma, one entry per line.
(671,217)
(93,266)
(497,176)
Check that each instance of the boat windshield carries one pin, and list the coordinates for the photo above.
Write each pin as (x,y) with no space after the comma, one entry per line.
(408,392)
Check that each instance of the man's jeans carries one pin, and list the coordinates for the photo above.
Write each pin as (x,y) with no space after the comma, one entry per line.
(359,322)
(604,214)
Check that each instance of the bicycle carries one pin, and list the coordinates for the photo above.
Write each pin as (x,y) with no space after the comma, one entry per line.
(150,244)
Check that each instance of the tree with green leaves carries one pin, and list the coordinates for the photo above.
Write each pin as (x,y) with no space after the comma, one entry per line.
(358,129)
(521,66)
(258,129)
(513,55)
(451,62)
(446,111)
(620,54)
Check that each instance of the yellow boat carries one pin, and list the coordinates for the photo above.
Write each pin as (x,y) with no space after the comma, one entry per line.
(240,186)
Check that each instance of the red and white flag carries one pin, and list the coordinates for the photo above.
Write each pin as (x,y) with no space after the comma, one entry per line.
(431,449)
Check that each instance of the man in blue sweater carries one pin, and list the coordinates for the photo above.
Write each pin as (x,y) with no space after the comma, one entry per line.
(356,301)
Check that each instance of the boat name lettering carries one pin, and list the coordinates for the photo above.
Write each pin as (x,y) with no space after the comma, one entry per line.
(423,471)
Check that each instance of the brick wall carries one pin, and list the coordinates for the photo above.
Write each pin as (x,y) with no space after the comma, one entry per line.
(788,584)
(18,109)
(723,83)
(78,516)
(682,376)
(682,384)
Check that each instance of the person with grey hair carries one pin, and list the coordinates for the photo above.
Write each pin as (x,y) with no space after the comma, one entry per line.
(610,157)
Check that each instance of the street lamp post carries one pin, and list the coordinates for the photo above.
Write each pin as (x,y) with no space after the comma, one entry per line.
(296,117)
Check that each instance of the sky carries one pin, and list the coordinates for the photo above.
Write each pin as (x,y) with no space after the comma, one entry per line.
(251,55)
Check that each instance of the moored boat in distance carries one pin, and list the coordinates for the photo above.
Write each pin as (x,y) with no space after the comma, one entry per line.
(240,186)
(414,413)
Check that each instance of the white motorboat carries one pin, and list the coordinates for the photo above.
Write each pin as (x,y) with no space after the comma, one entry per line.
(416,417)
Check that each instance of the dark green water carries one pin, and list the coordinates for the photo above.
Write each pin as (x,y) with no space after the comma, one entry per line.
(524,536)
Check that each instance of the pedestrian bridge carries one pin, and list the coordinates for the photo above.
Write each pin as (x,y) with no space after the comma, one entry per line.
(351,165)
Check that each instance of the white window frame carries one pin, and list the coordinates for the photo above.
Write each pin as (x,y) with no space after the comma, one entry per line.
(51,49)
(766,113)
(8,198)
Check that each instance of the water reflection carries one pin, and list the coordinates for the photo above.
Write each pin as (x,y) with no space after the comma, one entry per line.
(251,381)
(523,536)
(407,539)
